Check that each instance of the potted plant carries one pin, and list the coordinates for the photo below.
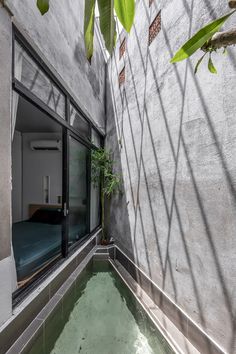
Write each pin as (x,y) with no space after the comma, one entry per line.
(104,177)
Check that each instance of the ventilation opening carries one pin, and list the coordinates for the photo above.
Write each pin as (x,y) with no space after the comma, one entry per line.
(155,28)
(122,48)
(122,77)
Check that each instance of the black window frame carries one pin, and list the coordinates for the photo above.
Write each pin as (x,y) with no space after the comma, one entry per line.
(68,130)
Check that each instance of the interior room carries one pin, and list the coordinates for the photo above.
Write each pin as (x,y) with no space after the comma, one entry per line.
(37,190)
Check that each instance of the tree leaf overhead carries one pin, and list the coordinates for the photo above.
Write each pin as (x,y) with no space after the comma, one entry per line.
(200,38)
(89,15)
(125,10)
(43,6)
(198,63)
(211,66)
(107,23)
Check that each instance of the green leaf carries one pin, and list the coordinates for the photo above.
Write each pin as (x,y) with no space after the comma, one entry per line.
(198,63)
(107,23)
(125,10)
(211,67)
(89,15)
(43,6)
(199,39)
(225,52)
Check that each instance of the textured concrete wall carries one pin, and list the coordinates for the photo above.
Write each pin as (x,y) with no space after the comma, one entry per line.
(5,158)
(173,135)
(59,36)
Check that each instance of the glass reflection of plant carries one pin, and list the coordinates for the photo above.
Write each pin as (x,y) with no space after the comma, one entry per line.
(104,177)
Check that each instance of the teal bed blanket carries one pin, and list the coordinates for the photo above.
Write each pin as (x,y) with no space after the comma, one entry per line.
(35,244)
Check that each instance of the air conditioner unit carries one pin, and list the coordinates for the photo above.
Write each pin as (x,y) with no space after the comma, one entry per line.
(46,145)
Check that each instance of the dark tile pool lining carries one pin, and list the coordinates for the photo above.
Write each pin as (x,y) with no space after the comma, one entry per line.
(191,331)
(37,327)
(29,319)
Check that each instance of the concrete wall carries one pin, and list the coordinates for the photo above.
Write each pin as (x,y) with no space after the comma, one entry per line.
(17,177)
(59,37)
(173,136)
(5,158)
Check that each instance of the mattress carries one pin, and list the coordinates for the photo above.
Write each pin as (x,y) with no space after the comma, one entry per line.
(35,244)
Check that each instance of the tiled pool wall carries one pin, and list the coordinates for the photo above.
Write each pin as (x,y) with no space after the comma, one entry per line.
(29,318)
(26,312)
(201,341)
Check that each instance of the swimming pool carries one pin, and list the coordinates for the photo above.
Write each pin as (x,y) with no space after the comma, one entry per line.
(100,315)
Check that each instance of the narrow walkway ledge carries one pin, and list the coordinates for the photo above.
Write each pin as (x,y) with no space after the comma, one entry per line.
(28,322)
(26,312)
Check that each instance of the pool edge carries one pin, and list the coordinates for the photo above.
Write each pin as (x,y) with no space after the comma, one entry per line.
(186,339)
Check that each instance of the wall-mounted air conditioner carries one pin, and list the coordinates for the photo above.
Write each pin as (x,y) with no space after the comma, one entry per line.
(46,145)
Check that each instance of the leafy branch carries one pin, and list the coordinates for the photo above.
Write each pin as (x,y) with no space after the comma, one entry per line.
(208,39)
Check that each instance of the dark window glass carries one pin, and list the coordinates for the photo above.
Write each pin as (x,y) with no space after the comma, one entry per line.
(79,123)
(78,191)
(95,139)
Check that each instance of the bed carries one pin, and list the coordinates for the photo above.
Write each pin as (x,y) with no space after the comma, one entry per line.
(38,240)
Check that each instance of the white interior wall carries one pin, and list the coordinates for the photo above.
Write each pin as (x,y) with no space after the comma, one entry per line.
(17,177)
(36,165)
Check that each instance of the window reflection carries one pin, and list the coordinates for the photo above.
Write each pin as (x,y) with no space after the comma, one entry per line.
(78,191)
(35,80)
(79,123)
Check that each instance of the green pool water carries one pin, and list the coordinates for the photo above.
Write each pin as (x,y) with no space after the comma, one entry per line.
(100,316)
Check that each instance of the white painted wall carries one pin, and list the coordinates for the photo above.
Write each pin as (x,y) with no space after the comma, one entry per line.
(17,177)
(37,164)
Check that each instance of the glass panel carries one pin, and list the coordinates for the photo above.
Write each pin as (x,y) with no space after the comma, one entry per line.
(37,190)
(94,207)
(79,123)
(35,80)
(96,140)
(78,191)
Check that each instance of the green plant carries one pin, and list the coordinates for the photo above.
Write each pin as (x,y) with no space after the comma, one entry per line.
(207,38)
(104,177)
(204,39)
(124,10)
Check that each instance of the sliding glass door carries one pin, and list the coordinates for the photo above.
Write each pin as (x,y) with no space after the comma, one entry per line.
(37,218)
(78,190)
(54,204)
